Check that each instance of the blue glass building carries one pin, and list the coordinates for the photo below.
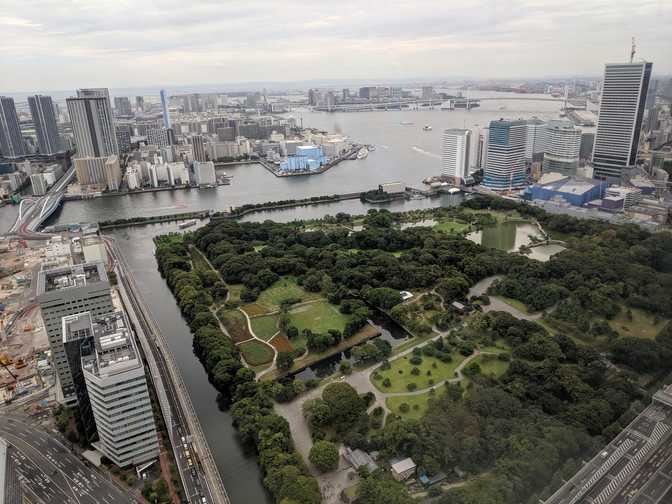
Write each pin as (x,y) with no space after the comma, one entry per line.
(164,109)
(505,161)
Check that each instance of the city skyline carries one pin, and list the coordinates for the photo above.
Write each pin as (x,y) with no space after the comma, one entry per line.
(54,48)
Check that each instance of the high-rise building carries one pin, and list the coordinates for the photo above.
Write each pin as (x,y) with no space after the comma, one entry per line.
(619,122)
(77,333)
(48,139)
(104,171)
(534,142)
(122,106)
(92,123)
(123,134)
(158,137)
(204,173)
(562,147)
(119,396)
(67,291)
(505,160)
(455,154)
(139,103)
(199,147)
(164,109)
(11,140)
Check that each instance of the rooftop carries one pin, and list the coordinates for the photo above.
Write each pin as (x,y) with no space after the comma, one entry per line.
(67,277)
(114,346)
(403,465)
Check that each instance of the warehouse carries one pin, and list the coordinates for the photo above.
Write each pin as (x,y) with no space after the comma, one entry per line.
(573,190)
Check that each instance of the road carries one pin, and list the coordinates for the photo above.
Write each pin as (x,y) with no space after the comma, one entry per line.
(198,472)
(51,471)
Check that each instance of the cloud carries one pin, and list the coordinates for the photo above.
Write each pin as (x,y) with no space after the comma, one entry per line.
(71,43)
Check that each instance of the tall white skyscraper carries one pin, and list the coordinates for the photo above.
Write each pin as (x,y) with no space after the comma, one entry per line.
(455,154)
(44,117)
(118,393)
(11,140)
(93,123)
(505,161)
(534,144)
(619,124)
(562,146)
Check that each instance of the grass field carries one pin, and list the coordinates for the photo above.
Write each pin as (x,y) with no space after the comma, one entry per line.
(451,226)
(235,324)
(643,324)
(491,365)
(199,261)
(400,373)
(256,352)
(417,404)
(265,327)
(319,317)
(234,292)
(285,288)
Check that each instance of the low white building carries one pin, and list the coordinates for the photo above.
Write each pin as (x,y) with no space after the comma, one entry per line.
(403,469)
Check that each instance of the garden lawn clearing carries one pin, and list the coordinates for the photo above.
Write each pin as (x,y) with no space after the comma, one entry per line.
(285,288)
(643,324)
(319,317)
(234,292)
(256,352)
(400,373)
(518,305)
(235,324)
(417,403)
(451,226)
(265,327)
(491,365)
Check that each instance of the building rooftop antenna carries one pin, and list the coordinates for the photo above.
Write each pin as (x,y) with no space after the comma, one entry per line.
(633,50)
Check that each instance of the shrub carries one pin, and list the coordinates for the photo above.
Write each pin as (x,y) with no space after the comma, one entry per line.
(404,408)
(324,456)
(416,360)
(411,387)
(415,371)
(345,368)
(387,382)
(378,411)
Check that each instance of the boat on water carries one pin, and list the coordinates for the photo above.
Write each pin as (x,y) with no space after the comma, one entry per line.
(427,127)
(371,148)
(186,224)
(363,152)
(407,123)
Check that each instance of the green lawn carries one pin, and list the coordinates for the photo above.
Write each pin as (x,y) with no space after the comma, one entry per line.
(265,327)
(285,288)
(500,346)
(451,226)
(417,404)
(643,324)
(319,317)
(491,365)
(234,292)
(400,373)
(256,352)
(199,261)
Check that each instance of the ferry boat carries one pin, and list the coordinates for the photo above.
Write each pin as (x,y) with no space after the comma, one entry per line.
(186,224)
(363,152)
(427,127)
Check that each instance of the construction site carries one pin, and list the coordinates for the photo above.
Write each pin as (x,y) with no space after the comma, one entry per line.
(24,348)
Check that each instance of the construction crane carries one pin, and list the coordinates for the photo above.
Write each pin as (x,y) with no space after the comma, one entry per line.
(633,50)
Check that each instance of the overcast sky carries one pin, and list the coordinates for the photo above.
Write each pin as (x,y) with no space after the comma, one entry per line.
(60,44)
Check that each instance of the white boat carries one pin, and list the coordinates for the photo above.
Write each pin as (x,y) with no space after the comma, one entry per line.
(372,148)
(189,223)
(427,127)
(363,152)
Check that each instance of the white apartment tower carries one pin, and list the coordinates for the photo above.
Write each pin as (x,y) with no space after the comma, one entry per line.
(119,396)
(562,147)
(619,123)
(455,154)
